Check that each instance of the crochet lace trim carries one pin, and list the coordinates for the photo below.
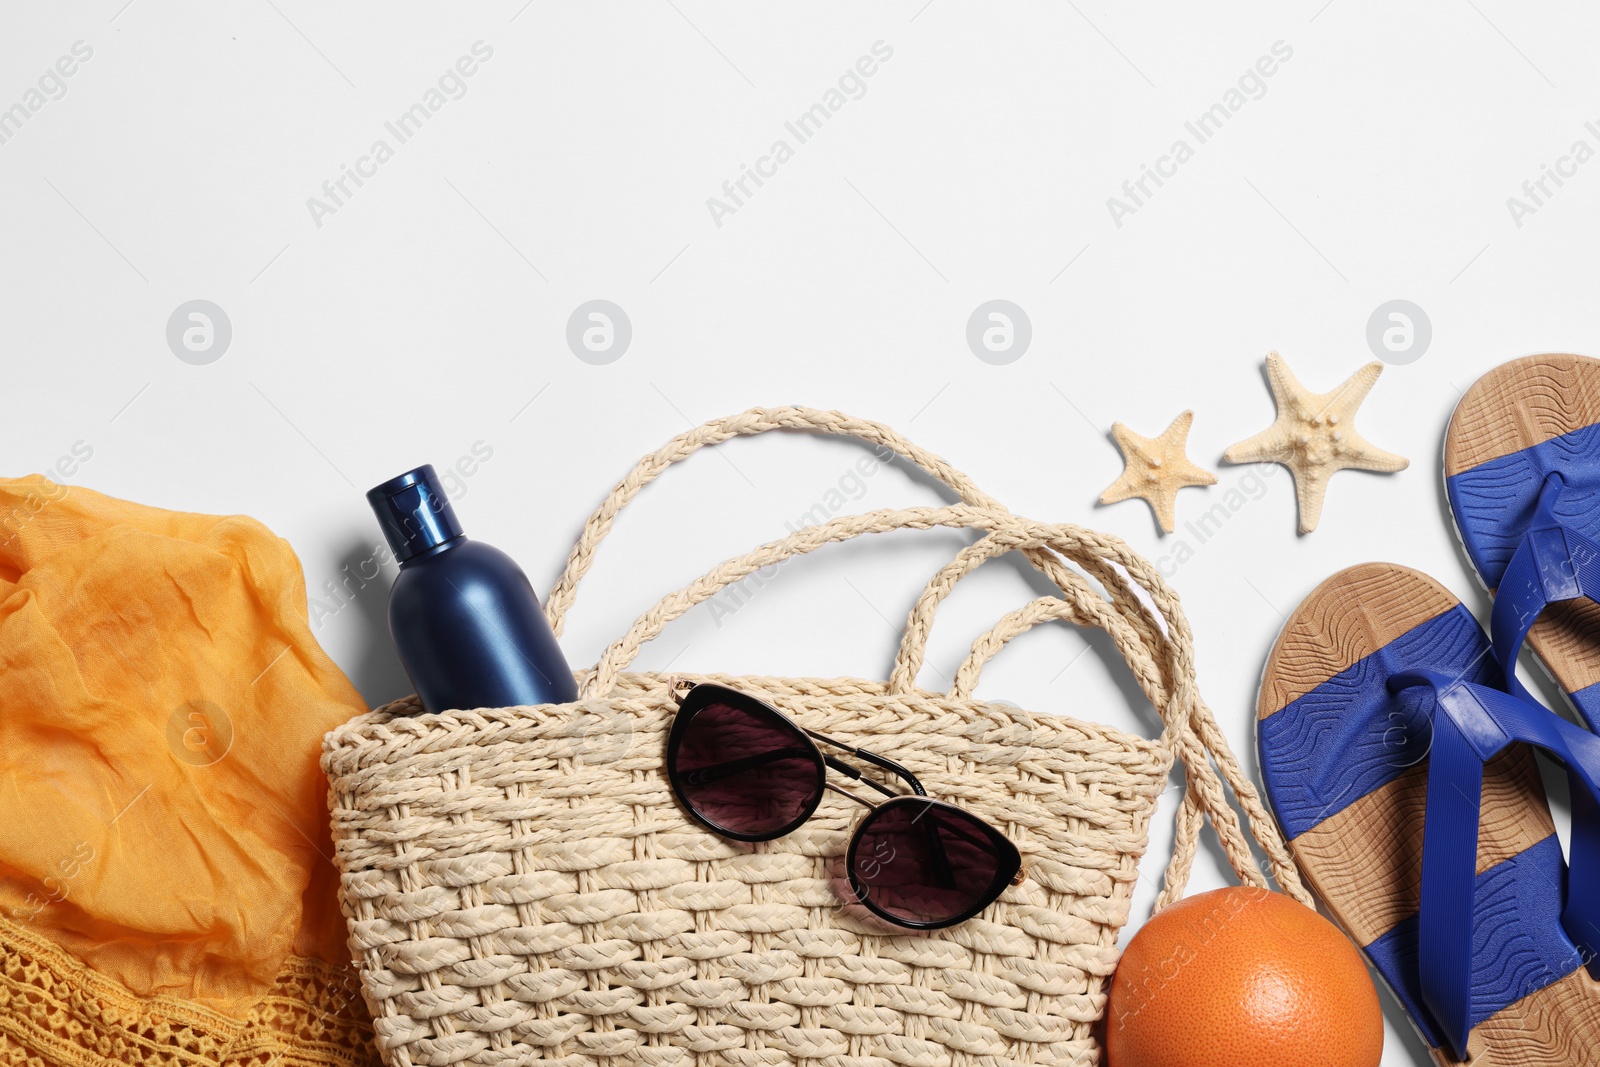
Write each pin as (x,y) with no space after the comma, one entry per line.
(55,1012)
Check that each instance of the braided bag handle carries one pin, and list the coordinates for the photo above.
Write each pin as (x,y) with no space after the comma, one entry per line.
(1193,739)
(1137,629)
(1179,707)
(760,420)
(1196,742)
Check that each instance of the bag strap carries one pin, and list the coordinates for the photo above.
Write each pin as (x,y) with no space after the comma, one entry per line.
(1132,629)
(914,643)
(1196,742)
(1183,713)
(747,423)
(647,626)
(760,420)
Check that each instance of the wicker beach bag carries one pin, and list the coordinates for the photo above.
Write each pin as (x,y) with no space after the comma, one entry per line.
(520,885)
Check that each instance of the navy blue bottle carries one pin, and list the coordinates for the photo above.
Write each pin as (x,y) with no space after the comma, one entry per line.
(463,615)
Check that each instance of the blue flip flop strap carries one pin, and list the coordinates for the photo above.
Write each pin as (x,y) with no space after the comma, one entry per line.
(1477,724)
(1579,752)
(1449,866)
(1552,564)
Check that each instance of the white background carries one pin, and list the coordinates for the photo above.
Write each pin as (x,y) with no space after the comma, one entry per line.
(428,313)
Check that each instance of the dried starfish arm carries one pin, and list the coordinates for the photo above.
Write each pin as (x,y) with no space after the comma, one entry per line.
(1155,468)
(1314,435)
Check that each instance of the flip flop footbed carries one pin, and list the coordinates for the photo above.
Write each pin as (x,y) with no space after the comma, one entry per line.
(1345,769)
(1516,424)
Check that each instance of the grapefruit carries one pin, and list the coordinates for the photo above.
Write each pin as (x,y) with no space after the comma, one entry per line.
(1244,977)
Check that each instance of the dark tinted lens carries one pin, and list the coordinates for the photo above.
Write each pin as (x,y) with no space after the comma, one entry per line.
(746,770)
(923,862)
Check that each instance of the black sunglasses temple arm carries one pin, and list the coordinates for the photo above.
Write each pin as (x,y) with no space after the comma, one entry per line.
(854,774)
(870,757)
(842,791)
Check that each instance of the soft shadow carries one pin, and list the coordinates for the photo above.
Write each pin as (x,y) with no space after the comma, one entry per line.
(1415,1047)
(1441,499)
(1127,685)
(1252,760)
(1266,380)
(1098,640)
(1212,844)
(377,672)
(915,474)
(1041,586)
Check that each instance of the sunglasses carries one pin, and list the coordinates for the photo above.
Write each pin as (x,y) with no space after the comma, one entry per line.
(745,770)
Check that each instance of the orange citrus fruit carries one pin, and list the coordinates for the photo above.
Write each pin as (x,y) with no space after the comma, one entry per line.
(1244,977)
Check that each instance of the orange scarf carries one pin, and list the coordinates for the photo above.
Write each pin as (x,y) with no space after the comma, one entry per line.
(166,888)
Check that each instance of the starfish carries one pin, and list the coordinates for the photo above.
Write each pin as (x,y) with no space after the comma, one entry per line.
(1315,435)
(1156,468)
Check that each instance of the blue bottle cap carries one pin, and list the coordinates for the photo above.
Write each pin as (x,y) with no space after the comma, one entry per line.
(414,512)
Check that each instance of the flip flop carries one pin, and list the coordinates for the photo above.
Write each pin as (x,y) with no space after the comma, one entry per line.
(1388,754)
(1522,471)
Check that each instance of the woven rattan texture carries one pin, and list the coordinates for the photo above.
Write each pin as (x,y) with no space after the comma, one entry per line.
(521,886)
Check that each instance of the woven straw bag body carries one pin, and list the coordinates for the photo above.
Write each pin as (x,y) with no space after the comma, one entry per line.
(521,886)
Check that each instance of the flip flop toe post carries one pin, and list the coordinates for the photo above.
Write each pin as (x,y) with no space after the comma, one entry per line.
(1522,473)
(1380,724)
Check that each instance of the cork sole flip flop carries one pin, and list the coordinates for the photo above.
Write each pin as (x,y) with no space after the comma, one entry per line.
(1376,721)
(1522,472)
